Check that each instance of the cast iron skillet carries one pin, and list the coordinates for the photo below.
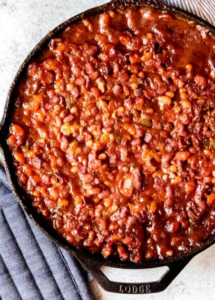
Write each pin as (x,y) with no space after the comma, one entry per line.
(90,262)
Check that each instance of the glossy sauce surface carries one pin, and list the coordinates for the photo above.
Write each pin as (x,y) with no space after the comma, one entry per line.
(113,134)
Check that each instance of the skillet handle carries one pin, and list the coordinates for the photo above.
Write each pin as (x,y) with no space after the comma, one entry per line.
(136,288)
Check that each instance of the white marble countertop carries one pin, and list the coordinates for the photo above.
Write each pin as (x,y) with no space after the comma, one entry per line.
(22,24)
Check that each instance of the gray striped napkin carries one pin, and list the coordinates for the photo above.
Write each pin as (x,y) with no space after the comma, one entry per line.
(31,266)
(202,8)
